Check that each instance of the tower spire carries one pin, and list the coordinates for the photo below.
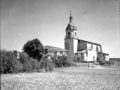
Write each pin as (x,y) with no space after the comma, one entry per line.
(71,18)
(70,13)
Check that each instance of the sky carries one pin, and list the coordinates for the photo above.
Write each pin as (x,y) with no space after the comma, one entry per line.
(96,21)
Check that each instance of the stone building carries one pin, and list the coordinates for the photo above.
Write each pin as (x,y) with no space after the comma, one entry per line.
(86,50)
(56,51)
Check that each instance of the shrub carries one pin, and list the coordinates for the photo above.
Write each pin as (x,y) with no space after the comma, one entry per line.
(9,62)
(26,65)
(35,64)
(61,61)
(103,62)
(45,63)
(78,58)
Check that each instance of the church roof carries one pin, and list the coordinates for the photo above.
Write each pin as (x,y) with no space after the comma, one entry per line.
(88,42)
(52,48)
(83,51)
(103,53)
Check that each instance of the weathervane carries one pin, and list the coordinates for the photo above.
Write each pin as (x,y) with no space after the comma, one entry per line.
(70,13)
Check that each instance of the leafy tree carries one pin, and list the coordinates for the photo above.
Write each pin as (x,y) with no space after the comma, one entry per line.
(9,62)
(34,48)
(26,65)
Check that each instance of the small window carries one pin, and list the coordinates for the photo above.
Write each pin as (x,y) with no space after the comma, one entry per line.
(75,33)
(68,34)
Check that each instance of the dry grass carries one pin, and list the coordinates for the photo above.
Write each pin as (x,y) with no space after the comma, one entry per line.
(72,78)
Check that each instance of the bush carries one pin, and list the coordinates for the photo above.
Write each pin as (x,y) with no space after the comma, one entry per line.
(47,64)
(24,59)
(35,64)
(61,61)
(103,62)
(78,58)
(9,62)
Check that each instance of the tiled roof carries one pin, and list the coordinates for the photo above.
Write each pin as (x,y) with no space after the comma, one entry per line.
(88,42)
(51,48)
(83,51)
(103,53)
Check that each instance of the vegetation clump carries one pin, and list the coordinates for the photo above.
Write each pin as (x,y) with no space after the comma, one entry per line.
(33,58)
(34,49)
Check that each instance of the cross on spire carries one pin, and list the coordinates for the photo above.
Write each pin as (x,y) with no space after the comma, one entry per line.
(71,18)
(70,13)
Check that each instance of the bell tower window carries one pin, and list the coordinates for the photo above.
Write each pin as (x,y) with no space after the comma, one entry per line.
(75,33)
(69,35)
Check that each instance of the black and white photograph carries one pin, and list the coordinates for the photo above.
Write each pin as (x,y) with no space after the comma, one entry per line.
(60,44)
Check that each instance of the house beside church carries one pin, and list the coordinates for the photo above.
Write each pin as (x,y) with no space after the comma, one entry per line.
(85,50)
(56,51)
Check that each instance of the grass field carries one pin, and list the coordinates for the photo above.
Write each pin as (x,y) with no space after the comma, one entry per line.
(71,78)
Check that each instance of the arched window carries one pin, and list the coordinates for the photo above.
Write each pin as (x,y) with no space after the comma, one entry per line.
(75,33)
(68,34)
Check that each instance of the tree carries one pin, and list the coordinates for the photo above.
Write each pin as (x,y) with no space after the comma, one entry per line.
(34,48)
(9,62)
(46,63)
(26,65)
(35,64)
(61,61)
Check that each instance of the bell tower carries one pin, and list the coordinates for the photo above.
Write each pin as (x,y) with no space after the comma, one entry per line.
(71,39)
(71,30)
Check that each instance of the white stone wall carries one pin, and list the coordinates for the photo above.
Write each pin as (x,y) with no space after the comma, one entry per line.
(85,57)
(99,49)
(107,57)
(89,46)
(59,53)
(75,42)
(92,55)
(94,47)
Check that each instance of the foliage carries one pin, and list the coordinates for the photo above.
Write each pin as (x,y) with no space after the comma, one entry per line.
(115,61)
(35,65)
(78,58)
(103,62)
(61,61)
(46,63)
(9,62)
(34,48)
(24,59)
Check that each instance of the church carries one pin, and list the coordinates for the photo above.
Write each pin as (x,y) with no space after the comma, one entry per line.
(76,48)
(84,50)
